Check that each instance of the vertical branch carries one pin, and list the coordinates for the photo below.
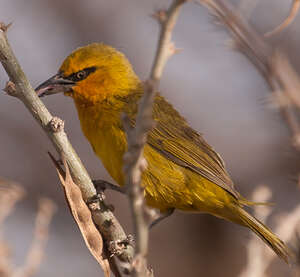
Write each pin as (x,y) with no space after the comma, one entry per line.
(135,163)
(256,263)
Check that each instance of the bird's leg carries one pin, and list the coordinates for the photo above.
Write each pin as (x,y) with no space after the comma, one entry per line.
(162,217)
(102,185)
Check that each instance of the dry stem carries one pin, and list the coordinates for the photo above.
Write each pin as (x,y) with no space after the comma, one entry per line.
(259,256)
(104,218)
(261,54)
(10,194)
(36,252)
(137,137)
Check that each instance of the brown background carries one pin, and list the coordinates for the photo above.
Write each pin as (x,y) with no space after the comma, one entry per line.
(215,88)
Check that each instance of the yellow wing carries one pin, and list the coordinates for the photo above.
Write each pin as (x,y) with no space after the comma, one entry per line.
(177,141)
(173,138)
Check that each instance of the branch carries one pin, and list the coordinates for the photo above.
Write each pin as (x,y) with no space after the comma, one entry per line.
(259,257)
(256,264)
(36,252)
(20,87)
(10,194)
(261,54)
(135,163)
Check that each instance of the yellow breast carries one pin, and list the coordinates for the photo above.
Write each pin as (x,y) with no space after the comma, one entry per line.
(102,127)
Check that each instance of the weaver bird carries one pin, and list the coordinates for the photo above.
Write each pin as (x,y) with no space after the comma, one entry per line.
(183,172)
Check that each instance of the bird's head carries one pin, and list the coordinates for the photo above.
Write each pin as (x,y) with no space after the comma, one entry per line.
(91,74)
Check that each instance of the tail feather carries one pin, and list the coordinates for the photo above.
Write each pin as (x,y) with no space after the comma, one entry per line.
(248,203)
(266,235)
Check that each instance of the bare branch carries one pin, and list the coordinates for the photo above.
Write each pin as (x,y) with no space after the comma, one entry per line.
(259,257)
(10,194)
(166,48)
(36,252)
(135,163)
(261,54)
(255,249)
(104,218)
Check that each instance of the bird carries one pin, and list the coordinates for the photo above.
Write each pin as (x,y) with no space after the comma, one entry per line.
(184,172)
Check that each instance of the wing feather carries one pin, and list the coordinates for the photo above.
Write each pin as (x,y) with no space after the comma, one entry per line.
(177,141)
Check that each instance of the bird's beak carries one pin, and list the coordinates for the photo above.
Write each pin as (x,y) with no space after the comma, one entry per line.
(54,85)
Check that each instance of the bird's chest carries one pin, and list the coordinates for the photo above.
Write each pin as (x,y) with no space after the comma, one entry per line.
(104,131)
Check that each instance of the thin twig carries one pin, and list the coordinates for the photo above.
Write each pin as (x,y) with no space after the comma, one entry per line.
(137,137)
(290,18)
(10,194)
(261,54)
(259,257)
(105,220)
(36,252)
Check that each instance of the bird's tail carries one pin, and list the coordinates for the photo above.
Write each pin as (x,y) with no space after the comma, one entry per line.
(265,234)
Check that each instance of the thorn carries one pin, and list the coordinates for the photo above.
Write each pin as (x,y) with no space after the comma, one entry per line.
(10,89)
(4,27)
(172,49)
(178,50)
(160,16)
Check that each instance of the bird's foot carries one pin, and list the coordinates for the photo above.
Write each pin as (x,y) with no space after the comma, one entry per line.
(93,202)
(116,247)
(102,185)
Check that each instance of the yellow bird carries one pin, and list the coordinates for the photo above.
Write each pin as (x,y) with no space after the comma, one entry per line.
(183,172)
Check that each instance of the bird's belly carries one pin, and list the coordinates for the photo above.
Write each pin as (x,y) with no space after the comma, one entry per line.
(110,149)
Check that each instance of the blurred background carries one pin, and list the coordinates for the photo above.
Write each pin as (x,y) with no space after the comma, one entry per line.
(215,88)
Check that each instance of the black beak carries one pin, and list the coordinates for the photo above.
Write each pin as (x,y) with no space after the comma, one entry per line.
(55,84)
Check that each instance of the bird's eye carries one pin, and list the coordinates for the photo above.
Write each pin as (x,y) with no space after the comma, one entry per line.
(81,75)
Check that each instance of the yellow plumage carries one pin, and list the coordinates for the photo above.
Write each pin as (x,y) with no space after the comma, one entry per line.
(183,172)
